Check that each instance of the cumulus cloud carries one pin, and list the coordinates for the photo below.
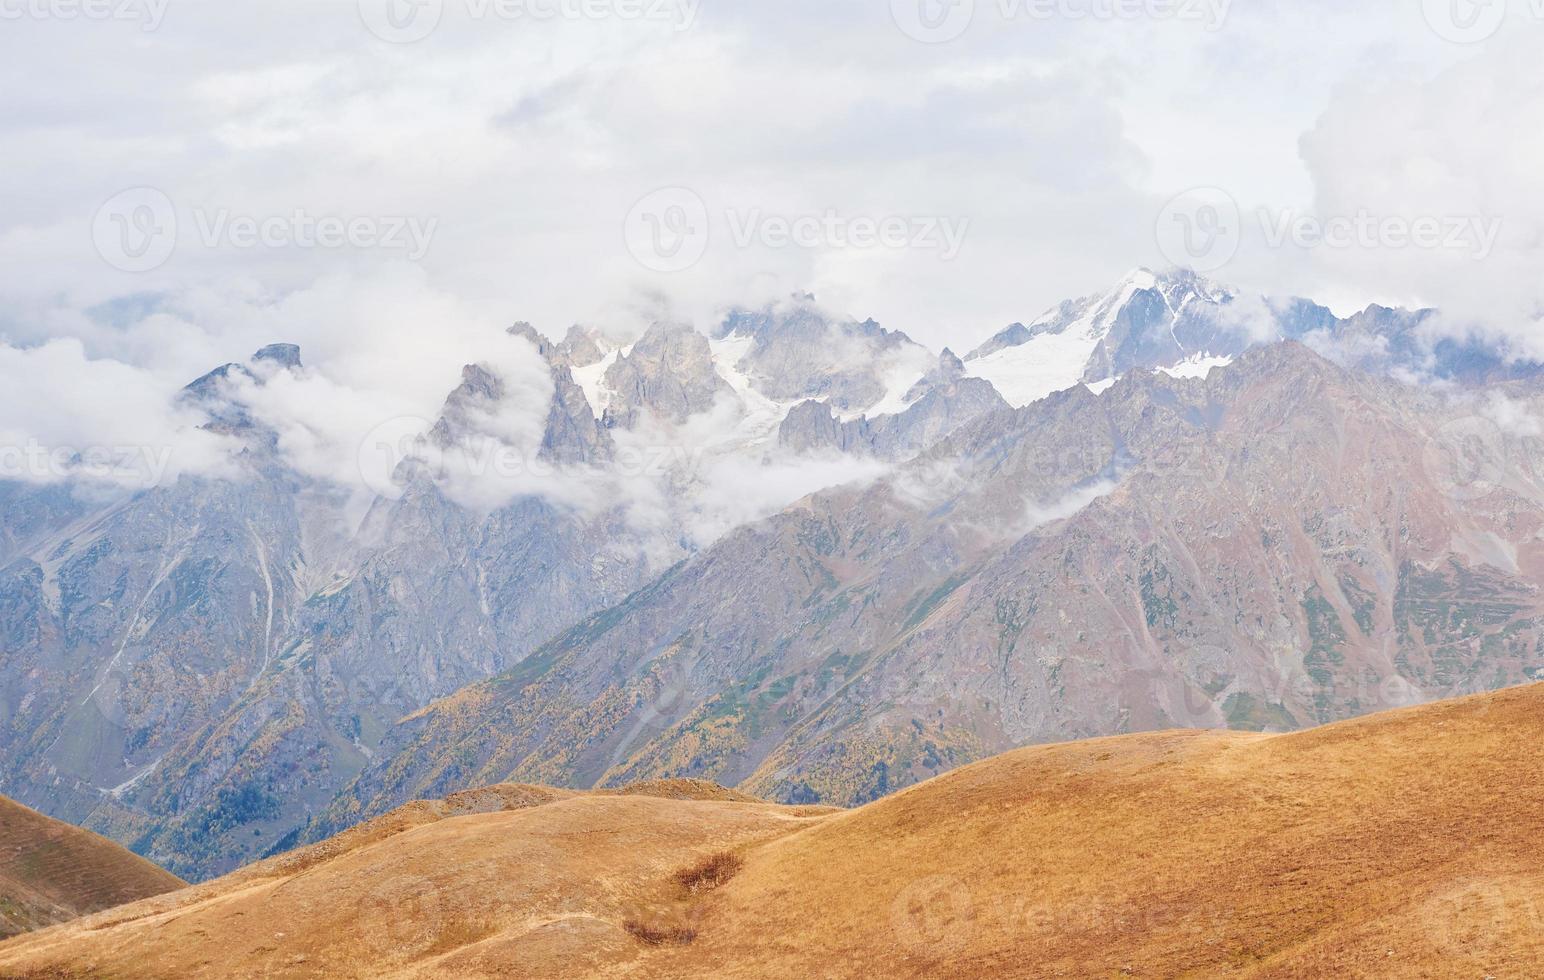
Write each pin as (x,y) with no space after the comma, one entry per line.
(1461,147)
(1513,417)
(526,145)
(527,141)
(65,416)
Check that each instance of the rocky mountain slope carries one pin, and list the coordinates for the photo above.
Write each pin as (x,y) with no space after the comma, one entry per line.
(196,668)
(1280,544)
(740,554)
(1328,852)
(51,872)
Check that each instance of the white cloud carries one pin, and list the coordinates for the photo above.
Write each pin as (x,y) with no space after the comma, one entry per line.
(65,415)
(528,142)
(1463,145)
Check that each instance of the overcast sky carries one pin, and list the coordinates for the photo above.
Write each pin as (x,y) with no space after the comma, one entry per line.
(388,181)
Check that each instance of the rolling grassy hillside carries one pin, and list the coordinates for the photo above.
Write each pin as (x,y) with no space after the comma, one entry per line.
(51,872)
(1401,844)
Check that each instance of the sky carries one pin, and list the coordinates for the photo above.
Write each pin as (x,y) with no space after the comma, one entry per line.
(390,182)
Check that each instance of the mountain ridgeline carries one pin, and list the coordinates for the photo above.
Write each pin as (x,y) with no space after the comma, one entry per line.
(860,565)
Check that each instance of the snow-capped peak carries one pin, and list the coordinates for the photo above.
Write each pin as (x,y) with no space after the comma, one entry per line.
(1146,319)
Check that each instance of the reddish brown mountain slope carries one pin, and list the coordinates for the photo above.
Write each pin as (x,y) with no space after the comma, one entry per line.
(52,872)
(1401,844)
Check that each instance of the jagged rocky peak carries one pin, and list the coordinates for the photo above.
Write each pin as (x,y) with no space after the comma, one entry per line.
(580,348)
(583,346)
(1411,344)
(949,370)
(668,373)
(811,426)
(479,389)
(550,352)
(1093,316)
(796,351)
(801,318)
(1175,320)
(572,434)
(211,394)
(1013,335)
(1183,321)
(477,381)
(284,355)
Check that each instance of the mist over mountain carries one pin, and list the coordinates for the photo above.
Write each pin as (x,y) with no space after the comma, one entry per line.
(790,549)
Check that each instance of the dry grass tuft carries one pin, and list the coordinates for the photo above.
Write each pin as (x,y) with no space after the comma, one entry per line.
(655,934)
(710,873)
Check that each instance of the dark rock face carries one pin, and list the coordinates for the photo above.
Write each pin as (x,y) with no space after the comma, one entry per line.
(284,355)
(669,374)
(581,348)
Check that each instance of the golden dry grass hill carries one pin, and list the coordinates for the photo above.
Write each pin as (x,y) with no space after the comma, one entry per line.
(1403,844)
(52,872)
